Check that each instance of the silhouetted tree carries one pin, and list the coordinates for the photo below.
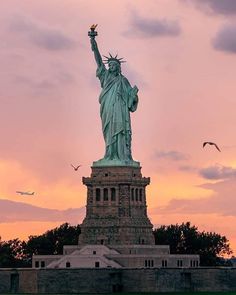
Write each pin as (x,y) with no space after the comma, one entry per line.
(17,253)
(52,241)
(12,254)
(186,239)
(182,239)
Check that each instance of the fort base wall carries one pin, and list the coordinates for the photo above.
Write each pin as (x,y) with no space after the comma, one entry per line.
(104,280)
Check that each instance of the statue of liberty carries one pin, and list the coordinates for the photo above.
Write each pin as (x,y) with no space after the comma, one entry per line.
(117,100)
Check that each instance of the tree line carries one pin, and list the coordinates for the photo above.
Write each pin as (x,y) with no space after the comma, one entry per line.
(182,239)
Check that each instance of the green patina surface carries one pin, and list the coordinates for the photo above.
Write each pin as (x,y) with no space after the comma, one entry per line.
(111,163)
(117,100)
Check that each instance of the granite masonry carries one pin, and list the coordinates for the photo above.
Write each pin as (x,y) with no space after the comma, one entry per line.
(116,231)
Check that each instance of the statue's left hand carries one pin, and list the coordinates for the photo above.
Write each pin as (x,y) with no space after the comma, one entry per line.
(133,98)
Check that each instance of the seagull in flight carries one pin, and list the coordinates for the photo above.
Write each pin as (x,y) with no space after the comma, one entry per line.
(25,193)
(211,143)
(75,168)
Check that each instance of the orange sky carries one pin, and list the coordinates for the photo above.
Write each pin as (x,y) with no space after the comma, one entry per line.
(182,56)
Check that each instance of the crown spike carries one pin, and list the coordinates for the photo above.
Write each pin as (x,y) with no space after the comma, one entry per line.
(113,58)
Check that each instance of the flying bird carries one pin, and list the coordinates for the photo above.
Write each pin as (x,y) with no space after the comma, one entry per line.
(25,193)
(211,143)
(75,168)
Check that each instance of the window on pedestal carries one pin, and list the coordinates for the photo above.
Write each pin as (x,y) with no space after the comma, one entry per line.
(136,194)
(105,194)
(42,263)
(141,241)
(164,263)
(149,263)
(193,263)
(97,264)
(179,263)
(67,264)
(113,194)
(132,194)
(98,194)
(140,194)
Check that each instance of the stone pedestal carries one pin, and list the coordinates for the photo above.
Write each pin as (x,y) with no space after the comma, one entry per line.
(116,212)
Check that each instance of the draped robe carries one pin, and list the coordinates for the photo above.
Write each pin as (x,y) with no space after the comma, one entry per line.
(116,102)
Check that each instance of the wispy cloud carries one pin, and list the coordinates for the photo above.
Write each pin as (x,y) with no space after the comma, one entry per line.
(171,155)
(222,201)
(150,28)
(225,39)
(40,35)
(11,211)
(218,172)
(224,7)
(188,168)
(53,81)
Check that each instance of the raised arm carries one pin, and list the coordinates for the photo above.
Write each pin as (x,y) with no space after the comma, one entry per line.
(96,52)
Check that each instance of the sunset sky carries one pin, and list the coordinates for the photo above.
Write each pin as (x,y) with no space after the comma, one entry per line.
(181,54)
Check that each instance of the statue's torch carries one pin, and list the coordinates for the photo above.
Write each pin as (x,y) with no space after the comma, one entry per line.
(92,33)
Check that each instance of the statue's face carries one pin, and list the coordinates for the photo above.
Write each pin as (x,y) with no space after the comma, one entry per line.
(114,67)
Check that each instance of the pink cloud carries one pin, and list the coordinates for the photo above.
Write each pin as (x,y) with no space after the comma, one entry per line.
(225,7)
(11,211)
(221,202)
(218,172)
(225,39)
(144,27)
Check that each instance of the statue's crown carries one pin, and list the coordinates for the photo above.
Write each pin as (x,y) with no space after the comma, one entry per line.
(113,58)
